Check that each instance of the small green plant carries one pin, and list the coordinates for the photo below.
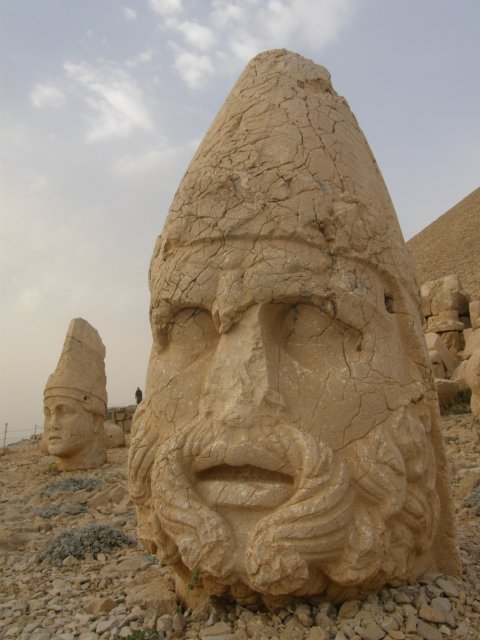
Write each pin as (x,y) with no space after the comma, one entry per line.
(461,404)
(48,512)
(143,634)
(78,541)
(196,575)
(72,485)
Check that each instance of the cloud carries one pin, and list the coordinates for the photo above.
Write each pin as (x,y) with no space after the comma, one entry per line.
(47,94)
(115,101)
(129,14)
(140,58)
(225,13)
(238,30)
(316,22)
(166,7)
(196,34)
(162,161)
(194,68)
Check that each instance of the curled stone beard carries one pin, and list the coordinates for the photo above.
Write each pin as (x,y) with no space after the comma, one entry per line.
(357,517)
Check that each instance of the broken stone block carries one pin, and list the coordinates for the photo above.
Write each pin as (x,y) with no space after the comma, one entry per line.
(458,376)
(292,427)
(472,342)
(454,341)
(444,294)
(472,378)
(439,353)
(152,592)
(426,292)
(100,605)
(437,366)
(447,390)
(445,321)
(474,311)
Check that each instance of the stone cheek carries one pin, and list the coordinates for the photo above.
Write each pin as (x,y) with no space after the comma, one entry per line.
(289,439)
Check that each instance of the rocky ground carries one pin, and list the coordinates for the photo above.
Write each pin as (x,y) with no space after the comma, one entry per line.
(121,592)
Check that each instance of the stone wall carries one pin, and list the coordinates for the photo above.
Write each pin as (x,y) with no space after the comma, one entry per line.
(121,416)
(452,330)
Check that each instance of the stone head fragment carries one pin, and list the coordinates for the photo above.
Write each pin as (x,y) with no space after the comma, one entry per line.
(75,400)
(288,443)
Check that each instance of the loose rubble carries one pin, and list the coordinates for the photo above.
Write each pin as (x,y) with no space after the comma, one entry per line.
(125,593)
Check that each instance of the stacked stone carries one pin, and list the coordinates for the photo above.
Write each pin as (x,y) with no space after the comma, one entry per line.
(452,326)
(122,416)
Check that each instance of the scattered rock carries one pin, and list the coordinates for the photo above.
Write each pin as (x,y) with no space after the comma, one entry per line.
(115,593)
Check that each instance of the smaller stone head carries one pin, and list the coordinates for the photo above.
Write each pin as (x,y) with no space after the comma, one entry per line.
(75,400)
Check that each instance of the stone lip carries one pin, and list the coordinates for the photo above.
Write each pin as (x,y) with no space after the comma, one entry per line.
(250,474)
(254,454)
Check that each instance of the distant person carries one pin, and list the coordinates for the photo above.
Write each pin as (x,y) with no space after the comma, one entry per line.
(138,395)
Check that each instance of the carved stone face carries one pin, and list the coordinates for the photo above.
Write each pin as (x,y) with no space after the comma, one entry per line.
(283,405)
(74,434)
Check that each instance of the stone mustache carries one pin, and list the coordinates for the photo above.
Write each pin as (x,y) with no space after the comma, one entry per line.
(289,440)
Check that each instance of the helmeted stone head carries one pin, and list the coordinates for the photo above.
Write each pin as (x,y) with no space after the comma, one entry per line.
(75,400)
(288,443)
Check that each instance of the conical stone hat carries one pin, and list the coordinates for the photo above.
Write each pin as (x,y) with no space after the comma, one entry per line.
(285,158)
(80,372)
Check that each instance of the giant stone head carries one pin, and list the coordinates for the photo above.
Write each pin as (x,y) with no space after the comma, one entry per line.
(288,443)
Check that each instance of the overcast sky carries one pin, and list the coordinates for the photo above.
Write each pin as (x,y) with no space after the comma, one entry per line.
(104,102)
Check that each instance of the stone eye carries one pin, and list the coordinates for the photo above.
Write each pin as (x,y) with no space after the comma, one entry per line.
(305,323)
(192,327)
(389,303)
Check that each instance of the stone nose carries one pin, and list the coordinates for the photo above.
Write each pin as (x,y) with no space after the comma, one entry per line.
(51,422)
(240,385)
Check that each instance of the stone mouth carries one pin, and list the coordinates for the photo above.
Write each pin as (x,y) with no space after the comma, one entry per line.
(253,457)
(244,473)
(244,486)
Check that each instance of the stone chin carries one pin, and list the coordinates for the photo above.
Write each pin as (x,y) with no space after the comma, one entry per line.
(277,511)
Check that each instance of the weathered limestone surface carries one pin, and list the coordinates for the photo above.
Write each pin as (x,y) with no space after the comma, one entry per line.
(474,309)
(452,335)
(439,352)
(122,416)
(114,435)
(443,294)
(75,400)
(472,342)
(472,378)
(289,442)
